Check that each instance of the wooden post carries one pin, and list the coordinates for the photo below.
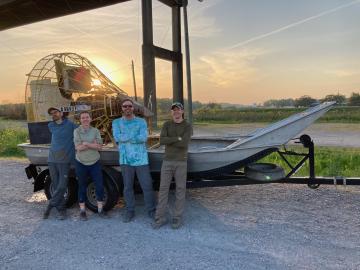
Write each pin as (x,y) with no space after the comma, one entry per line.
(148,59)
(134,80)
(177,67)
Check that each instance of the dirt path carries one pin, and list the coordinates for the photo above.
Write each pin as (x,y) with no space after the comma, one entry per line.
(247,227)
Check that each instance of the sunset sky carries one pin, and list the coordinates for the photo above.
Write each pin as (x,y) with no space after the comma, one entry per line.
(242,51)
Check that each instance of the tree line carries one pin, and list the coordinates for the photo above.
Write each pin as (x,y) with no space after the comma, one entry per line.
(307,101)
(18,112)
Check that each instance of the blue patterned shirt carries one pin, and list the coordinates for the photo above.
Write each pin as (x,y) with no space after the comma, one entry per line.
(131,136)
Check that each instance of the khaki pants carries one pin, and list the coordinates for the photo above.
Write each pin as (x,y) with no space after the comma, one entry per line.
(178,170)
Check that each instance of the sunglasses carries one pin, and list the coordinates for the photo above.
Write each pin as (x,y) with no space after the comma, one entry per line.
(127,106)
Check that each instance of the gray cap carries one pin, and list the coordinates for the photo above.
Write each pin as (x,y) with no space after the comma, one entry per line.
(53,109)
(178,105)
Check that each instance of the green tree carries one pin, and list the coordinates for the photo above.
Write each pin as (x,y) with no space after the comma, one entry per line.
(213,106)
(304,101)
(354,99)
(340,99)
(289,102)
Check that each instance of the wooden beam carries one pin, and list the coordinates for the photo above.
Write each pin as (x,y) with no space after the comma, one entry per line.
(166,54)
(171,3)
(148,58)
(177,67)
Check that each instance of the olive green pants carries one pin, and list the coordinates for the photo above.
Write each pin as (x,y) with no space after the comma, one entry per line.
(170,170)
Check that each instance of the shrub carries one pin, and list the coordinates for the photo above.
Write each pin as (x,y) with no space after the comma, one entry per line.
(9,139)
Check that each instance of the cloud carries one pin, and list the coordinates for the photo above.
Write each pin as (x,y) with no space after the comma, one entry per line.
(292,25)
(226,68)
(342,73)
(201,25)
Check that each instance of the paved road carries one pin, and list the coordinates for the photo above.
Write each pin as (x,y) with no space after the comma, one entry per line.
(250,227)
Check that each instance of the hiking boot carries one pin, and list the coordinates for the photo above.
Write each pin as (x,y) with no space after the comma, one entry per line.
(103,214)
(129,216)
(158,223)
(176,223)
(62,214)
(151,214)
(47,212)
(83,216)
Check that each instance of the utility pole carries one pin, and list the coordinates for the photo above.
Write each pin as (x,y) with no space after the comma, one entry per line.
(134,81)
(187,59)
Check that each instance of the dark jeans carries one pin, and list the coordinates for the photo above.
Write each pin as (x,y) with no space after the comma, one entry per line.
(94,171)
(59,181)
(145,180)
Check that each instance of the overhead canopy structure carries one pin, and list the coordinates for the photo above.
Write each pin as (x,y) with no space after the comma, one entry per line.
(14,13)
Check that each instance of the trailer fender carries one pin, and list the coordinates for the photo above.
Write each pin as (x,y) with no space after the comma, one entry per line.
(39,180)
(115,177)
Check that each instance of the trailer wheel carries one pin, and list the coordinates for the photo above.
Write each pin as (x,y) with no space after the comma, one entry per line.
(111,194)
(70,194)
(264,172)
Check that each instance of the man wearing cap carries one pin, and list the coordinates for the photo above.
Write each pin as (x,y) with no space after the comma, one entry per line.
(61,155)
(130,133)
(175,135)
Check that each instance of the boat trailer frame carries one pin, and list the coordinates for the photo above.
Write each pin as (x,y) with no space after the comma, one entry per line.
(312,181)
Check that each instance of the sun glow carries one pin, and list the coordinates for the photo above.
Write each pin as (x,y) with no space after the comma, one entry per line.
(110,69)
(96,82)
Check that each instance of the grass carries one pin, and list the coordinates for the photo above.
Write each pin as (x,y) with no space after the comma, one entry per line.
(329,161)
(9,139)
(12,124)
(12,132)
(268,115)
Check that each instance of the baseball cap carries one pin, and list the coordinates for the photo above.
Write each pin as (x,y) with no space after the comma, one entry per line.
(178,105)
(53,108)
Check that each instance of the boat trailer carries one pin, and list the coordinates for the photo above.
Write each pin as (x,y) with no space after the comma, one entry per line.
(312,181)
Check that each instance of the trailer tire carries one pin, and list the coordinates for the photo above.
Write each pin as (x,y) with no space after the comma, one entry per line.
(264,172)
(71,192)
(111,194)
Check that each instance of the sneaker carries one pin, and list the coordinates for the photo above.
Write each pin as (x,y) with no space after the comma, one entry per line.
(151,214)
(83,216)
(62,214)
(158,223)
(47,212)
(129,216)
(103,214)
(176,223)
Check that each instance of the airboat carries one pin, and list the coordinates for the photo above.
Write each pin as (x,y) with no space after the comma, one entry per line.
(74,84)
(212,155)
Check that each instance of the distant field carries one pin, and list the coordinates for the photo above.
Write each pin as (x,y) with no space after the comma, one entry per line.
(12,124)
(268,115)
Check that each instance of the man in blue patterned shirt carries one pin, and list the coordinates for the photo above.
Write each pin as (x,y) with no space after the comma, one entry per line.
(130,133)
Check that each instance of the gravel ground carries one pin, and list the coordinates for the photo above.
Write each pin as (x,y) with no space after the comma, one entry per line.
(247,227)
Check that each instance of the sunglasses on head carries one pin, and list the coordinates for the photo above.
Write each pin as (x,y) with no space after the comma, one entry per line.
(127,106)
